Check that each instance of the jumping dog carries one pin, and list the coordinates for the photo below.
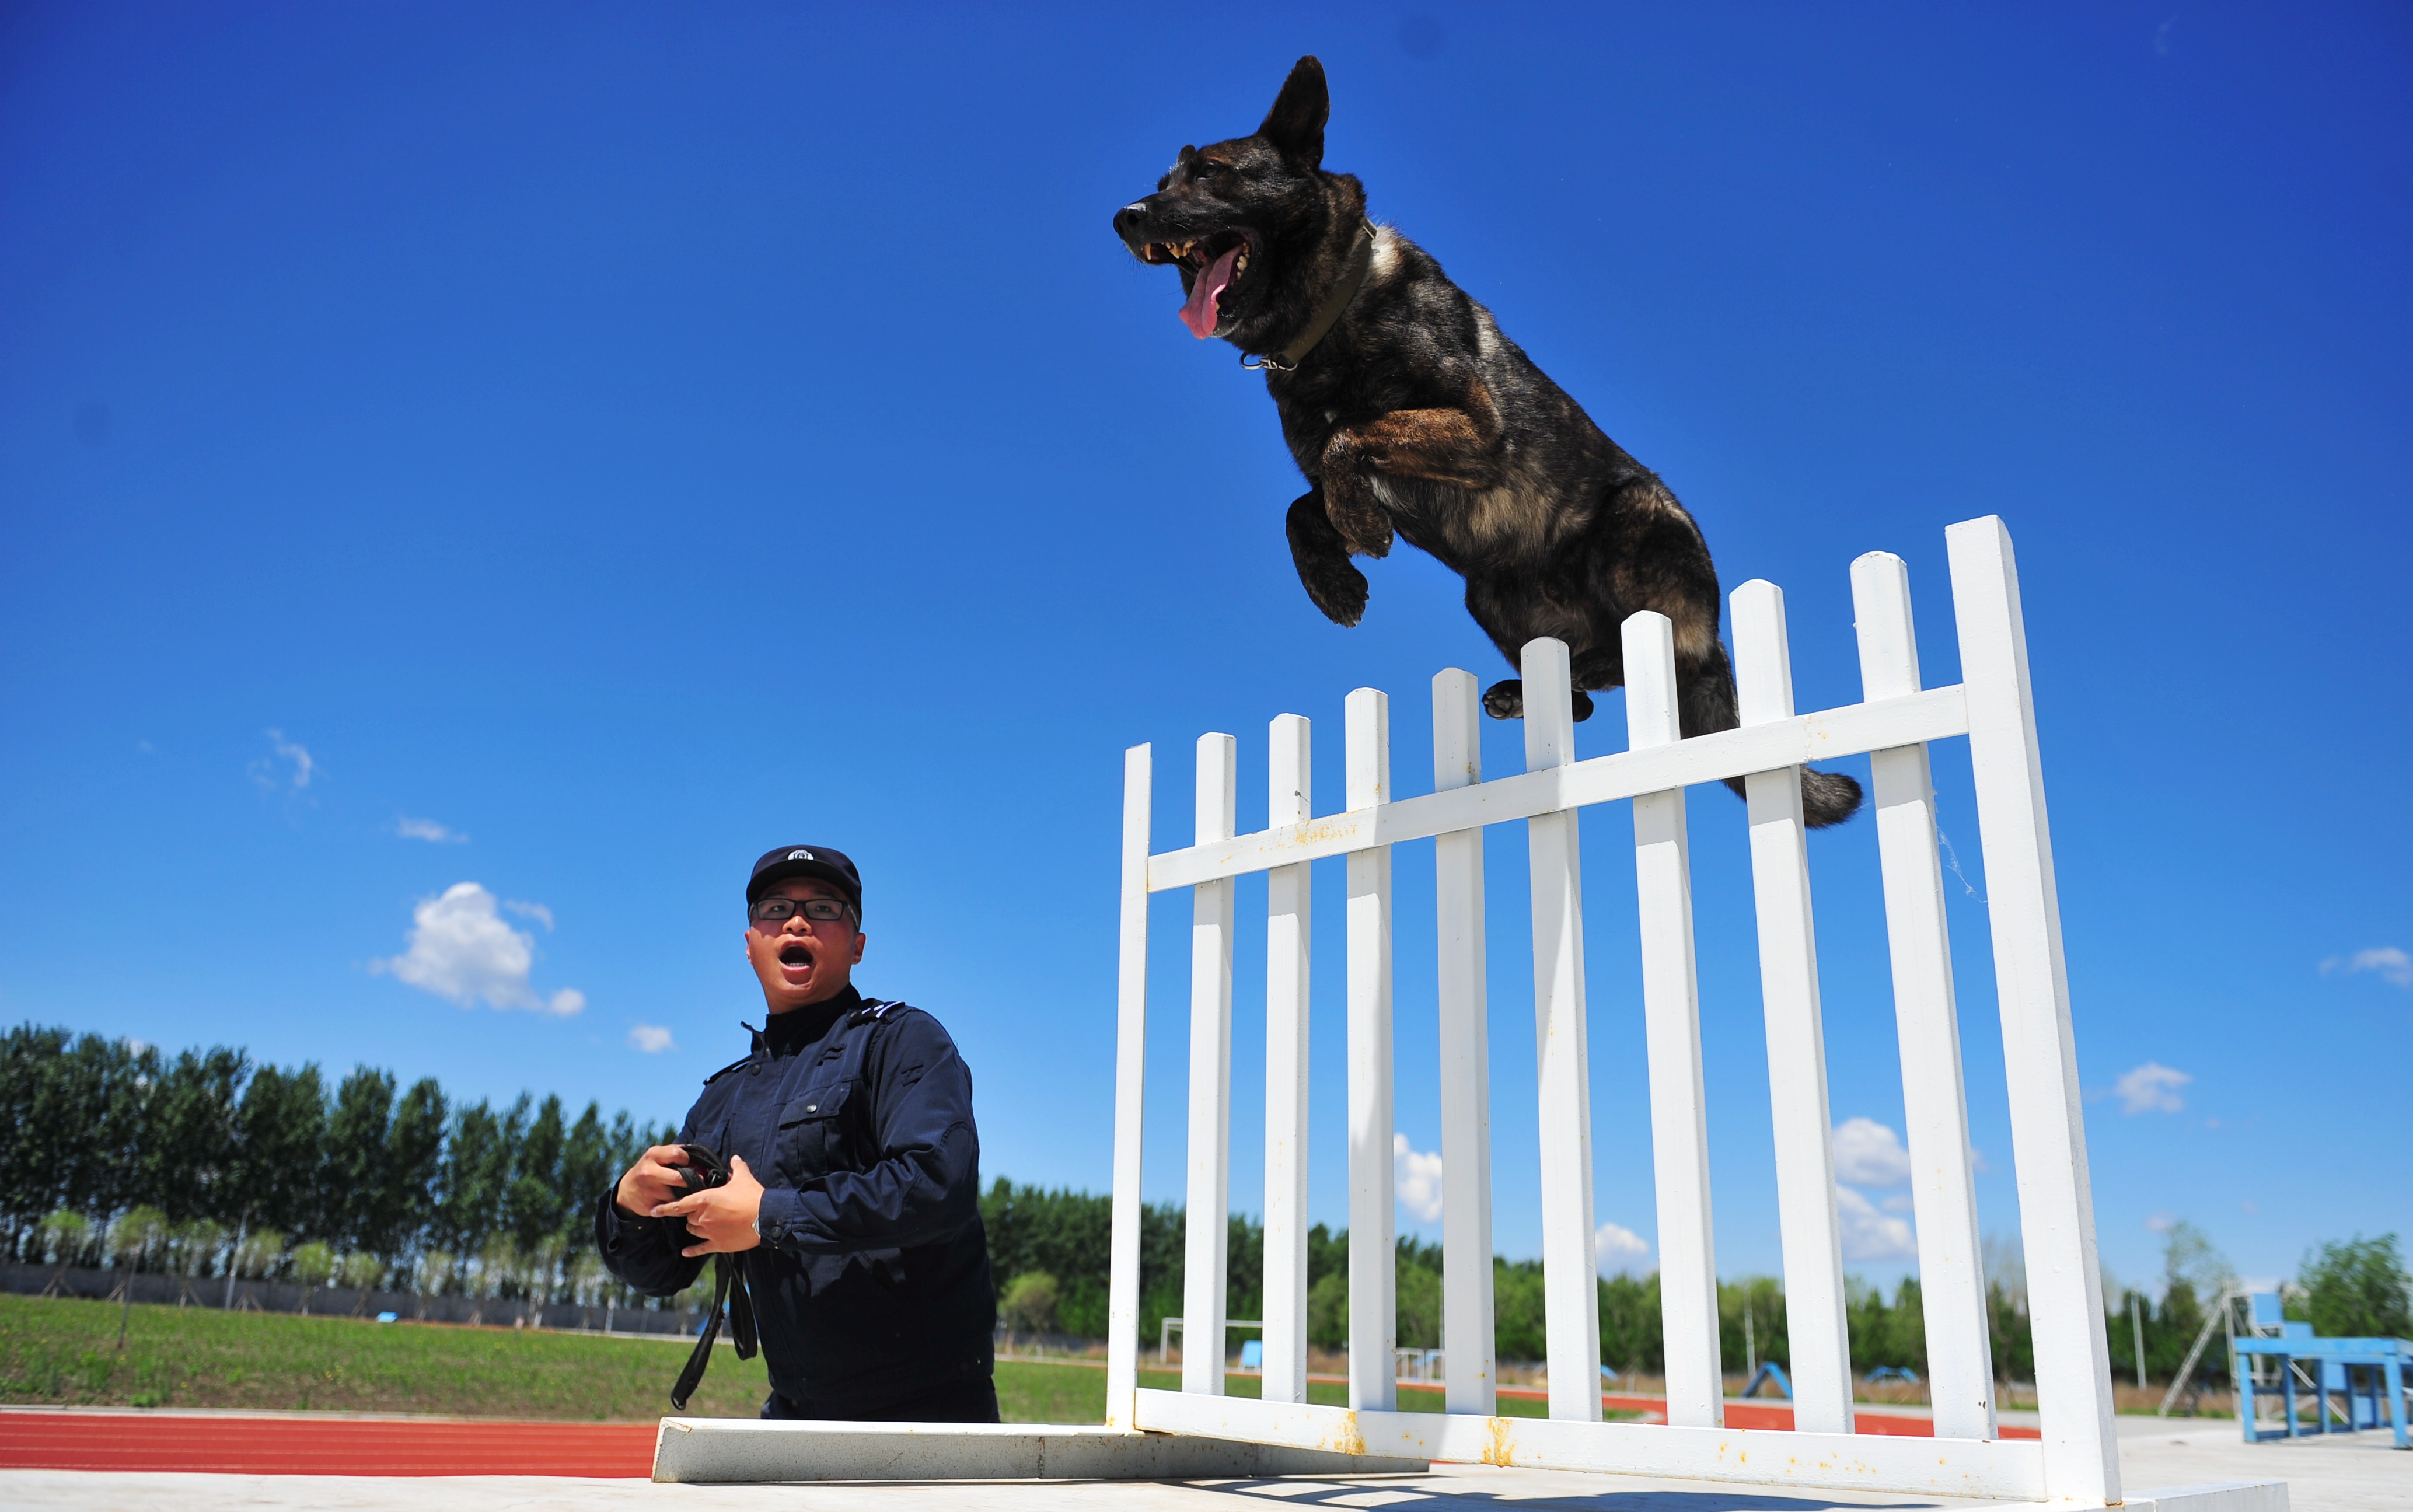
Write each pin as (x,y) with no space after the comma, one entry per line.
(1413,416)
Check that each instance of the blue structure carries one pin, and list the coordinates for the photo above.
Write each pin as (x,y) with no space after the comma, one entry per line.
(1769,1370)
(1892,1373)
(2331,1365)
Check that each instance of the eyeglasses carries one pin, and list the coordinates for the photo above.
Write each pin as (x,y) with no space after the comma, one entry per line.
(780,910)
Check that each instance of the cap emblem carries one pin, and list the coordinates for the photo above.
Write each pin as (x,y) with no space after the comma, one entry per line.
(800,854)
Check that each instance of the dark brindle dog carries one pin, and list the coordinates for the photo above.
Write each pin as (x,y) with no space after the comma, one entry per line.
(1410,414)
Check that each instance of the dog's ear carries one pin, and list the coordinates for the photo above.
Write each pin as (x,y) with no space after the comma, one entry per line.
(1296,123)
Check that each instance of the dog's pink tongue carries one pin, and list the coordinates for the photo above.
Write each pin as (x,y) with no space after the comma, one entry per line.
(1205,292)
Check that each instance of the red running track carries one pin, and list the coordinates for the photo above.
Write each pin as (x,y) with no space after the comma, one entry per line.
(331,1446)
(231,1444)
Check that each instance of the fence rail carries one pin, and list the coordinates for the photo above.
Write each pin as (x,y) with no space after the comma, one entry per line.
(1897,717)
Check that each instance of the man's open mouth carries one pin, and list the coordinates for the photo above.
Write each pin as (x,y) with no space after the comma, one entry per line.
(795,956)
(1216,264)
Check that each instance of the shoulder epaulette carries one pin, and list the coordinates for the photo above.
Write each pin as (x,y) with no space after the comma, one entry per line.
(742,1060)
(874,1009)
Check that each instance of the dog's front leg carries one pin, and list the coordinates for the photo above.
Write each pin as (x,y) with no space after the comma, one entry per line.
(1322,558)
(1458,447)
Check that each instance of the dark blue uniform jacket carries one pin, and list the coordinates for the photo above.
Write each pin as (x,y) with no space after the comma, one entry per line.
(871,1285)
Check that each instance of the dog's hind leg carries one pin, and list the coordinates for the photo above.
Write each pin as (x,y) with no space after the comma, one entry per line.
(1704,704)
(1505,700)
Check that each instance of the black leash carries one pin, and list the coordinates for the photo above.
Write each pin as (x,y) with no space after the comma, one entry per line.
(705,1170)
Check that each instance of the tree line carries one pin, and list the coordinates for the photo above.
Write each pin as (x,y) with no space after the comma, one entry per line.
(211,1164)
(1049,1251)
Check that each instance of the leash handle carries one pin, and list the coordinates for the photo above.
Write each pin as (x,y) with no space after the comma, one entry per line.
(706,1169)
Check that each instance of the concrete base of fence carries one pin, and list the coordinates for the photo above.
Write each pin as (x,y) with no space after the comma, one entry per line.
(2220,1496)
(699,1449)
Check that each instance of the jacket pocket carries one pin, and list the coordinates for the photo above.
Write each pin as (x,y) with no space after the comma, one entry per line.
(808,1140)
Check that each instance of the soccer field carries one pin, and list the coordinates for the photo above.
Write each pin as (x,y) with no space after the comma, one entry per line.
(64,1352)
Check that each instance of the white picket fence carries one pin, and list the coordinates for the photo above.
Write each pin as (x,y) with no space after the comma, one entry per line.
(2075,1462)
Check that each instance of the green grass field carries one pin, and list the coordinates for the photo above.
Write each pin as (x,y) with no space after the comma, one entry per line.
(64,1352)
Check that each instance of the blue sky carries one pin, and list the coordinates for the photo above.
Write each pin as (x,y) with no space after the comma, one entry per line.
(567,450)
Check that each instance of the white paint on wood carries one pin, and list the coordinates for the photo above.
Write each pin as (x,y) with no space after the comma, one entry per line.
(2039,1047)
(1796,1050)
(1933,715)
(1756,1457)
(1373,1279)
(1570,1295)
(1671,1016)
(1206,1258)
(1288,894)
(1935,1104)
(1131,1075)
(2074,1464)
(1469,1381)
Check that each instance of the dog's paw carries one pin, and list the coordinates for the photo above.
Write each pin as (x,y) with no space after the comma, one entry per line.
(1337,588)
(1506,701)
(1363,527)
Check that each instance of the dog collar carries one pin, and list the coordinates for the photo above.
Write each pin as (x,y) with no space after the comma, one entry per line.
(1327,315)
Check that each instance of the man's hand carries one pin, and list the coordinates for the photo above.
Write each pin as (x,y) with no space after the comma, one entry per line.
(653,1181)
(721,1218)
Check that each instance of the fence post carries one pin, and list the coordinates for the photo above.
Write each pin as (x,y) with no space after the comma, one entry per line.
(1796,1048)
(1671,1013)
(1935,1099)
(1465,1060)
(1206,1256)
(1373,1277)
(1570,1292)
(1288,894)
(2039,1048)
(1131,1071)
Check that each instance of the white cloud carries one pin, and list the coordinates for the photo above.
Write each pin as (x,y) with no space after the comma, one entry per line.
(430,831)
(1416,1178)
(268,774)
(651,1038)
(2159,1224)
(1870,1235)
(2394,966)
(2151,1088)
(461,951)
(1898,1203)
(1613,1244)
(531,911)
(1869,1154)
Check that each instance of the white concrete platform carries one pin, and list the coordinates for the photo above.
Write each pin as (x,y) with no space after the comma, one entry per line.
(724,1450)
(2341,1475)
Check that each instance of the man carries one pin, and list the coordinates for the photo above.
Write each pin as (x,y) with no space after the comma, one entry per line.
(854,1177)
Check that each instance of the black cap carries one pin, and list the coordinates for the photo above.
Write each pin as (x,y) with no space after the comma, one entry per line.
(807,860)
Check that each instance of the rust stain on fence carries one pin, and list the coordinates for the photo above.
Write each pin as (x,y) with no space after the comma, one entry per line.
(1499,1441)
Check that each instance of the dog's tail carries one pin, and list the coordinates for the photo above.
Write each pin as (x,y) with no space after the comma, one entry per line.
(1706,705)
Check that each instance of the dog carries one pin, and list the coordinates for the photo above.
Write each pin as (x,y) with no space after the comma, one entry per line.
(1413,416)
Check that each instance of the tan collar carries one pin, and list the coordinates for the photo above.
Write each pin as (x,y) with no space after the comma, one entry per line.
(1327,315)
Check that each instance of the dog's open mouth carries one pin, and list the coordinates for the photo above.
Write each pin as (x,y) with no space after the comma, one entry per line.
(1216,264)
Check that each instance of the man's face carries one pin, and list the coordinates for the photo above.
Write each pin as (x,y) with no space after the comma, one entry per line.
(801,960)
